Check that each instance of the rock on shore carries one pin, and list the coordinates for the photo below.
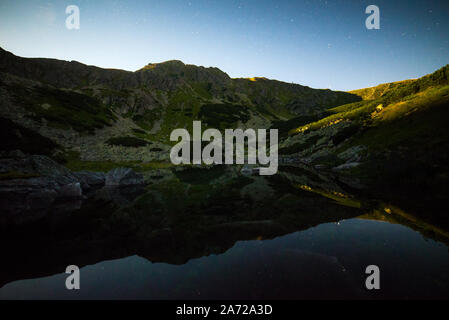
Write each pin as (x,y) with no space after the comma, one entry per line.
(31,184)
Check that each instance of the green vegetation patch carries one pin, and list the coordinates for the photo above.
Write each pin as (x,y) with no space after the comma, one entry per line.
(299,146)
(138,131)
(64,108)
(127,142)
(200,175)
(147,120)
(14,136)
(105,166)
(223,115)
(203,89)
(329,160)
(285,126)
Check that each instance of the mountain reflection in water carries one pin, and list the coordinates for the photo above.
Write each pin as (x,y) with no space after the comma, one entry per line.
(216,234)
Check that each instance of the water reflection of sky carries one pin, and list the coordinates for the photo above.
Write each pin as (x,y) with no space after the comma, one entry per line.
(327,261)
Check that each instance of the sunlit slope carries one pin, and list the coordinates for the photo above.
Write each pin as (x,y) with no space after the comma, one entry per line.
(409,95)
(396,144)
(378,91)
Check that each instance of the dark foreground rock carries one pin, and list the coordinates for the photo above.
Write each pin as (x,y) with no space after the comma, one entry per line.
(24,200)
(90,179)
(32,185)
(123,177)
(71,190)
(45,166)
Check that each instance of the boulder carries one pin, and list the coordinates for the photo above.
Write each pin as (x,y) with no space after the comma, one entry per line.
(47,167)
(32,185)
(123,177)
(26,199)
(38,165)
(71,190)
(90,179)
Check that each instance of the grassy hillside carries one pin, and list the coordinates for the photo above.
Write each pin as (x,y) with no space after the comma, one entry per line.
(376,92)
(388,99)
(395,143)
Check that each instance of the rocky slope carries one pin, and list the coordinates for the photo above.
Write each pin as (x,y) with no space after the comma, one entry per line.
(81,107)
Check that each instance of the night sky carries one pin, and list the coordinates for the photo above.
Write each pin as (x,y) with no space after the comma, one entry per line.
(322,44)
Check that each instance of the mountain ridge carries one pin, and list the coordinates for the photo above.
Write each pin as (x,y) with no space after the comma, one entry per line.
(9,63)
(65,100)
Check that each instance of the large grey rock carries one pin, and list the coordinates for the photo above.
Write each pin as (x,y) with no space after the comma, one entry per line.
(38,165)
(24,186)
(35,185)
(27,200)
(49,168)
(123,177)
(24,200)
(71,190)
(90,178)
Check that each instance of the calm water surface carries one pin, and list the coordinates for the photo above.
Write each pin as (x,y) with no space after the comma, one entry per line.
(326,261)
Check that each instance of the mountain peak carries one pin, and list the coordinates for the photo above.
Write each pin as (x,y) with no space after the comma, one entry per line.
(168,63)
